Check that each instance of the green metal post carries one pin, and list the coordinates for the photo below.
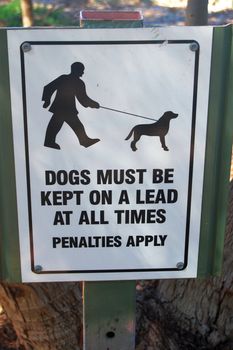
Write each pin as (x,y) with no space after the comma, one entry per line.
(218,154)
(9,248)
(109,315)
(109,307)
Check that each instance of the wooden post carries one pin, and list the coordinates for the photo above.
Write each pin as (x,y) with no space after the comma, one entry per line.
(109,307)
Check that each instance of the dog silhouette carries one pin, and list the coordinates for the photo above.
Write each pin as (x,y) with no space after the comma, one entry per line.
(159,128)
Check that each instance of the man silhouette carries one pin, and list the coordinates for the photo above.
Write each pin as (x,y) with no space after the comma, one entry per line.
(68,88)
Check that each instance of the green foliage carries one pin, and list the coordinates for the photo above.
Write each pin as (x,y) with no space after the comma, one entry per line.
(10,15)
(52,16)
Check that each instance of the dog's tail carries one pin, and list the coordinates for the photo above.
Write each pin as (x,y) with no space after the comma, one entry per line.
(130,134)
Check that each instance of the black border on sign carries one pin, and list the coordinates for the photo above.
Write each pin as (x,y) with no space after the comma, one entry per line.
(195,84)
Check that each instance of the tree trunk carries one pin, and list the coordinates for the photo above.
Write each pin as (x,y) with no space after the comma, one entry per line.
(197,13)
(189,314)
(27,13)
(43,316)
(171,314)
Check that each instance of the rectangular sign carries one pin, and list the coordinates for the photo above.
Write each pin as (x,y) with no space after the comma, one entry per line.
(109,132)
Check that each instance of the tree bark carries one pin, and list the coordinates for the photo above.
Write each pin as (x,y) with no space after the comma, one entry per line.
(197,13)
(189,314)
(27,13)
(171,314)
(43,316)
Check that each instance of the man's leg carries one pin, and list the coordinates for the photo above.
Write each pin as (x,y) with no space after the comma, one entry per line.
(53,128)
(79,130)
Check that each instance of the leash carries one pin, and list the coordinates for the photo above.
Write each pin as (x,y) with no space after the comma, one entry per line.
(123,112)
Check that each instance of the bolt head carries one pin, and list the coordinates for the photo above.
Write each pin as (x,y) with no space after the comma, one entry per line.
(180,265)
(26,47)
(194,46)
(38,268)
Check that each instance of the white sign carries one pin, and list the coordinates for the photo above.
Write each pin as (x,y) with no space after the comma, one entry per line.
(109,139)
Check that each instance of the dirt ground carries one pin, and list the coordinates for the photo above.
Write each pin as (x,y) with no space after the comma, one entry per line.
(153,15)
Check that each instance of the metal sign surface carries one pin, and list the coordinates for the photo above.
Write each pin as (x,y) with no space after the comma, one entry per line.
(109,139)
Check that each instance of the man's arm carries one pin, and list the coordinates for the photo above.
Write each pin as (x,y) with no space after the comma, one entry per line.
(48,91)
(82,97)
